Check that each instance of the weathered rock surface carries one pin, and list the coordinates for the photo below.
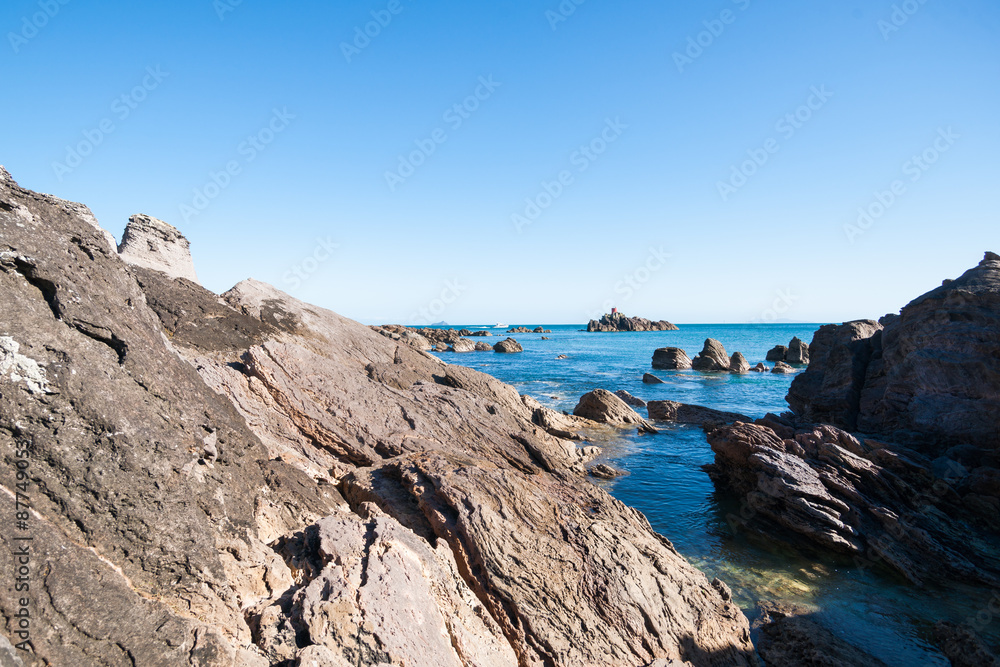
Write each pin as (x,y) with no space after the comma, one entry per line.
(463,345)
(760,368)
(713,357)
(777,353)
(671,358)
(617,322)
(649,378)
(738,363)
(796,639)
(604,471)
(683,413)
(508,346)
(604,407)
(153,244)
(929,376)
(483,347)
(963,646)
(162,496)
(798,352)
(782,368)
(630,399)
(880,505)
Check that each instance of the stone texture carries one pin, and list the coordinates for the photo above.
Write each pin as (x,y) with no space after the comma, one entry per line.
(483,347)
(153,244)
(683,413)
(798,352)
(618,322)
(797,640)
(760,368)
(713,357)
(604,407)
(508,346)
(879,504)
(963,647)
(782,368)
(777,353)
(463,345)
(630,399)
(649,378)
(671,358)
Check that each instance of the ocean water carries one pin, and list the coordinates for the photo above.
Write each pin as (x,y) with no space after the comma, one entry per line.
(871,608)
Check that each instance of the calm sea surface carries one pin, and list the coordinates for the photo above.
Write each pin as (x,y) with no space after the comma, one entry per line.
(871,609)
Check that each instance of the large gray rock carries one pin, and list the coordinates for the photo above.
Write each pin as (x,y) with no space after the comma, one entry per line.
(738,363)
(713,357)
(153,244)
(798,352)
(671,358)
(463,345)
(602,406)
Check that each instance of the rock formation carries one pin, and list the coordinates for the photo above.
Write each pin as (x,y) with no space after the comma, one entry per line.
(929,376)
(738,363)
(153,244)
(483,347)
(713,357)
(880,505)
(604,407)
(630,399)
(250,480)
(463,345)
(618,322)
(790,637)
(682,413)
(796,352)
(782,368)
(671,358)
(777,353)
(649,378)
(508,346)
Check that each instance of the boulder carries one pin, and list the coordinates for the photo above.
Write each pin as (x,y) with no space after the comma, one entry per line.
(760,368)
(682,413)
(776,353)
(463,345)
(649,378)
(796,640)
(738,363)
(782,368)
(603,471)
(153,244)
(508,346)
(562,356)
(671,358)
(630,399)
(604,407)
(713,357)
(798,352)
(483,347)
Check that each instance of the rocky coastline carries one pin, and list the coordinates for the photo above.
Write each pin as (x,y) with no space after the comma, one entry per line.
(252,480)
(615,322)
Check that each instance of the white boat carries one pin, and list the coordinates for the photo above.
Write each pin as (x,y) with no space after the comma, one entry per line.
(499,326)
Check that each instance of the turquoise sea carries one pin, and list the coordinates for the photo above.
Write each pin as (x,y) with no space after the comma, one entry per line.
(872,609)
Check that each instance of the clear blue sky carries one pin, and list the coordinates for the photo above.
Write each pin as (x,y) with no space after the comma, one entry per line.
(673,128)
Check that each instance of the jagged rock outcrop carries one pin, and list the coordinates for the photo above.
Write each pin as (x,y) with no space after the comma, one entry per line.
(212,522)
(929,376)
(683,413)
(463,345)
(153,244)
(881,505)
(617,322)
(508,346)
(671,358)
(796,352)
(712,357)
(777,353)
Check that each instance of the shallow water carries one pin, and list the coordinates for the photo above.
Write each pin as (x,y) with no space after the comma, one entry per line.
(870,608)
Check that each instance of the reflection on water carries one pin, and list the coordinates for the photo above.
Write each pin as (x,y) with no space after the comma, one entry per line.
(870,608)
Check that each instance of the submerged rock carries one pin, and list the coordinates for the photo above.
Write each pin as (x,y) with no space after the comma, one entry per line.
(671,358)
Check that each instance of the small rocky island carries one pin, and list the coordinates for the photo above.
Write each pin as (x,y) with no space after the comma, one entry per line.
(615,321)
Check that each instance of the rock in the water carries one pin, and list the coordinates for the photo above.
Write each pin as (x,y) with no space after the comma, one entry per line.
(649,378)
(562,356)
(604,407)
(782,368)
(463,345)
(798,640)
(867,500)
(617,322)
(713,357)
(630,399)
(483,347)
(930,377)
(682,413)
(798,352)
(671,358)
(602,471)
(760,368)
(738,363)
(508,346)
(153,244)
(777,353)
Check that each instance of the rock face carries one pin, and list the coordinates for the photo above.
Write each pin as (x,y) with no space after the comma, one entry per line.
(713,357)
(682,413)
(191,450)
(929,376)
(508,346)
(671,358)
(153,244)
(738,363)
(782,368)
(483,347)
(777,353)
(649,378)
(880,505)
(618,322)
(463,345)
(796,639)
(798,352)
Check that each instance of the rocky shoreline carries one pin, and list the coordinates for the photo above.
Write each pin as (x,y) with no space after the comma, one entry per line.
(251,480)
